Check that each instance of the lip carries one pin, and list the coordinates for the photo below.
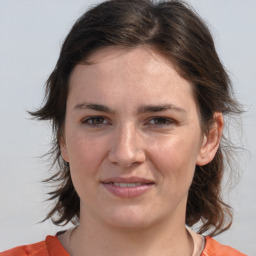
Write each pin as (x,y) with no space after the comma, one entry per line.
(133,179)
(127,192)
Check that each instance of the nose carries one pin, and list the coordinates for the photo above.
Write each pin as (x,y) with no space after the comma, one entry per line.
(126,147)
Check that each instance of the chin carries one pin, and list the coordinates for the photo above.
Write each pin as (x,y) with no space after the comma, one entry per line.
(131,219)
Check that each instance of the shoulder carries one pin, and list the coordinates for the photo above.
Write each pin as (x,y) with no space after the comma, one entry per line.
(214,248)
(51,246)
(27,250)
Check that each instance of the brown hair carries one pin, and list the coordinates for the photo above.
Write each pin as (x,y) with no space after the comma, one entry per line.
(176,32)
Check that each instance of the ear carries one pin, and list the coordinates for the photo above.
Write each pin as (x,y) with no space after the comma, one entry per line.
(211,141)
(63,149)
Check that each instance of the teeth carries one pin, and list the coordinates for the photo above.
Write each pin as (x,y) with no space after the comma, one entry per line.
(126,185)
(123,185)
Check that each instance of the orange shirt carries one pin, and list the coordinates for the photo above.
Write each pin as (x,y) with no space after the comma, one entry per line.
(52,247)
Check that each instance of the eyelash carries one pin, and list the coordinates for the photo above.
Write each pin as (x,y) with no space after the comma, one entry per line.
(158,121)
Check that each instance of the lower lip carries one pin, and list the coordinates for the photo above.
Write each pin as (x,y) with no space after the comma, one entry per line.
(127,192)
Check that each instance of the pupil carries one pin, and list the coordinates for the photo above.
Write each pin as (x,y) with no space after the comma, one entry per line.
(159,121)
(97,120)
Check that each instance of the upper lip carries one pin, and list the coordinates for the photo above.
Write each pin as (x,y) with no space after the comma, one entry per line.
(133,179)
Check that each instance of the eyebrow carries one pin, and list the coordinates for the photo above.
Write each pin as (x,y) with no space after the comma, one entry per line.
(93,106)
(141,109)
(159,108)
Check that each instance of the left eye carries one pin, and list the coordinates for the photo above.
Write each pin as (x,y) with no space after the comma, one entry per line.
(98,120)
(161,121)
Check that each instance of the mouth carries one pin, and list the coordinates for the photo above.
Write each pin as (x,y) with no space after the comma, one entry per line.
(127,188)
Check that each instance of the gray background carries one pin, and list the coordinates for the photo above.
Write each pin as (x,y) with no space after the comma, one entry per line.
(31,33)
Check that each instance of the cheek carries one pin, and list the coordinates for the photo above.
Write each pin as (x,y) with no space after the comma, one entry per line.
(85,154)
(85,159)
(175,158)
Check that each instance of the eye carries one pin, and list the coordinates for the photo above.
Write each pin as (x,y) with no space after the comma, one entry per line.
(95,121)
(160,121)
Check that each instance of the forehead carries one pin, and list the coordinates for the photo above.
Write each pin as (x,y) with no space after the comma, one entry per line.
(146,59)
(137,62)
(112,72)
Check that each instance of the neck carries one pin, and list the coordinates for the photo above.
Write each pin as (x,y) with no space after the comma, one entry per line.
(90,238)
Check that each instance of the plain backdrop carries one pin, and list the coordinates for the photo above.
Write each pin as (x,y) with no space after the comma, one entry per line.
(31,34)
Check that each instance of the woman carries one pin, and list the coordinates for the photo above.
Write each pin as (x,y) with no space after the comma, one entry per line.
(136,101)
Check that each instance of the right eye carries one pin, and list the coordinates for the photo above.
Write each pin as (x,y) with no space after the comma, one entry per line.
(95,121)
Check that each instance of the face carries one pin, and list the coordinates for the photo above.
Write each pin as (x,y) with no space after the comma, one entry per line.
(132,138)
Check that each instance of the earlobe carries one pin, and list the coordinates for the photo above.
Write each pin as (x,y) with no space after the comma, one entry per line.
(63,149)
(211,141)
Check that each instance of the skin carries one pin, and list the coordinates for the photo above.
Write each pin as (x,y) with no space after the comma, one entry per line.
(147,126)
